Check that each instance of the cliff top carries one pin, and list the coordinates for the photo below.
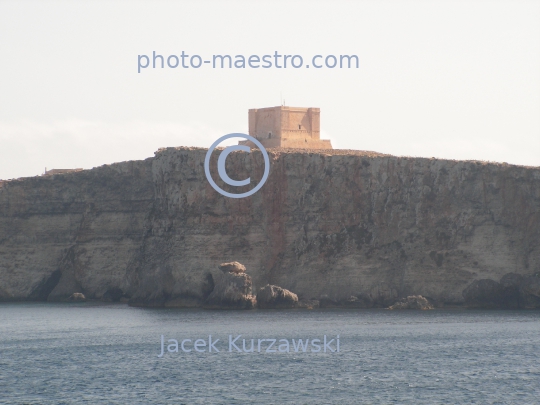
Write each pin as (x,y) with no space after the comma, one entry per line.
(324,152)
(328,152)
(350,152)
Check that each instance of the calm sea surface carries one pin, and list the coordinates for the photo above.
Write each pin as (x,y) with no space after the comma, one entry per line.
(89,353)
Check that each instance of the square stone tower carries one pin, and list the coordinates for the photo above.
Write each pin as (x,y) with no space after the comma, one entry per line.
(287,127)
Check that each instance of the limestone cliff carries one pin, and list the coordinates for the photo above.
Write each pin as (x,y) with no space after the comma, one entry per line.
(327,224)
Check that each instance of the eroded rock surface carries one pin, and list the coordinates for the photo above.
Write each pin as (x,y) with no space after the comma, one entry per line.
(274,297)
(308,304)
(232,289)
(77,297)
(412,302)
(328,225)
(232,267)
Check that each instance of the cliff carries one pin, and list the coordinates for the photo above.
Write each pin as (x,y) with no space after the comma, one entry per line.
(339,226)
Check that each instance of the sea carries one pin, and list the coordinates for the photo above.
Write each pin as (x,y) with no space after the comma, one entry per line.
(95,353)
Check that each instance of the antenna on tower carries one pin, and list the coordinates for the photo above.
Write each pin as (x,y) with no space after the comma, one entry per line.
(281,98)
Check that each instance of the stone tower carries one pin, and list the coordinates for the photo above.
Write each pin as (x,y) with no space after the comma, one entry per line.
(287,127)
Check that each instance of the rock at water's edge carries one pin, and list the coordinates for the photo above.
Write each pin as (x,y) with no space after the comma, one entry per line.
(412,302)
(77,297)
(232,290)
(274,297)
(308,304)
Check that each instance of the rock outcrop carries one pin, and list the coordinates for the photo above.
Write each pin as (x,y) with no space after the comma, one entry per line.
(308,304)
(232,289)
(328,225)
(274,297)
(412,302)
(77,297)
(232,267)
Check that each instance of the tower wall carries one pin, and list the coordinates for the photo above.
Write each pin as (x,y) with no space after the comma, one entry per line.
(287,127)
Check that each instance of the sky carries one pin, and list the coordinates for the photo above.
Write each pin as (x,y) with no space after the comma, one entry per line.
(444,79)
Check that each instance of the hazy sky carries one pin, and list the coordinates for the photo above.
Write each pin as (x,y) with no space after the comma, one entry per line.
(450,79)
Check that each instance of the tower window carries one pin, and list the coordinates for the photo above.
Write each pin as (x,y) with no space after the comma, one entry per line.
(269,135)
(299,126)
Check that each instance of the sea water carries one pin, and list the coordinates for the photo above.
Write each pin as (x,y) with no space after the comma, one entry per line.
(94,353)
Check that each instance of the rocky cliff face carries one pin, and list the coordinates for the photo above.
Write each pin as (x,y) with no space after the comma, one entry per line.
(72,232)
(327,225)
